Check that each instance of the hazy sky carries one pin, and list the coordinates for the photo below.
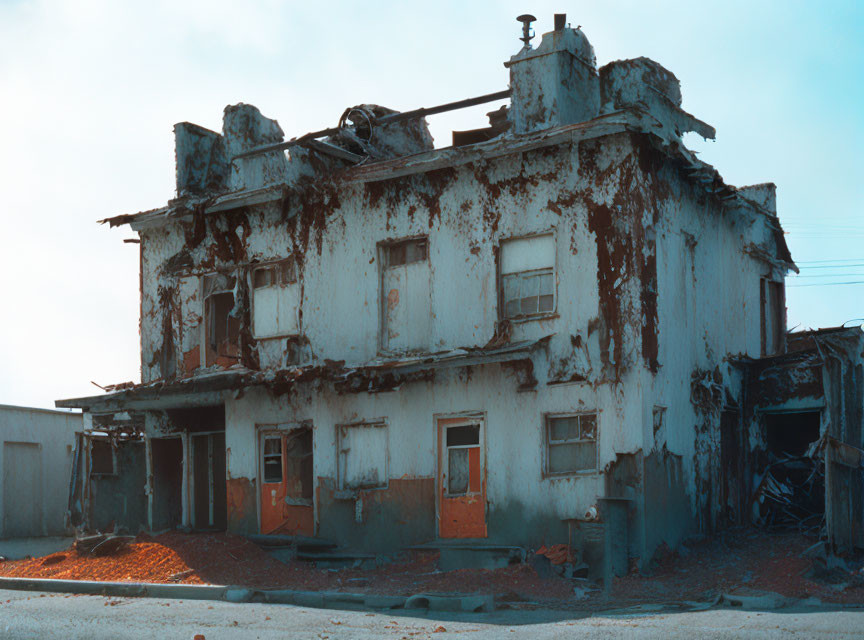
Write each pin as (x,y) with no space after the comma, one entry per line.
(91,90)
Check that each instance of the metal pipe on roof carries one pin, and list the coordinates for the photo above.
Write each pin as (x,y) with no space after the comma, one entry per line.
(389,119)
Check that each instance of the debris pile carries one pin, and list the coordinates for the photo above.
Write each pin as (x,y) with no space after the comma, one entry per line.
(791,493)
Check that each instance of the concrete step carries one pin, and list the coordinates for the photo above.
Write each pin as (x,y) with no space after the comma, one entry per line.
(469,554)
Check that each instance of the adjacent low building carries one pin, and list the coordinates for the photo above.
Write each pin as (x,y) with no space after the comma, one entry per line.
(35,468)
(356,336)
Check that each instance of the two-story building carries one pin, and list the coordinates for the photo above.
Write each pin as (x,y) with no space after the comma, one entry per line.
(358,336)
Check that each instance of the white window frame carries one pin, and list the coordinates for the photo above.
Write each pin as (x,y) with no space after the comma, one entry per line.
(502,303)
(445,462)
(548,443)
(340,466)
(272,435)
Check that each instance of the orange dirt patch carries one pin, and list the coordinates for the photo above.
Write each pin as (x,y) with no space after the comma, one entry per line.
(232,560)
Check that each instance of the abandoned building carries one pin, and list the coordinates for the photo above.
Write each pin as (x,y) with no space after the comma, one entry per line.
(562,327)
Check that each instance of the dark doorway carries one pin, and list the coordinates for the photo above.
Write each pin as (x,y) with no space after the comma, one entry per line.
(791,491)
(791,434)
(167,462)
(731,469)
(209,481)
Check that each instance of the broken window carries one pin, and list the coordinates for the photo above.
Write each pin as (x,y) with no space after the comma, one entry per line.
(527,286)
(275,300)
(101,458)
(363,454)
(272,459)
(571,443)
(463,457)
(772,316)
(405,295)
(221,320)
(406,252)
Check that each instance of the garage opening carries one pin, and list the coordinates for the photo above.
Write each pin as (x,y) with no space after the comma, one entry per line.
(791,491)
(167,465)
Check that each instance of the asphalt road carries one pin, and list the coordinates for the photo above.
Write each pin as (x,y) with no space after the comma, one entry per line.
(35,615)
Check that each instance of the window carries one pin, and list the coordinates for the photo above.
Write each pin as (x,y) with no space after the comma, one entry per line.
(406,313)
(221,324)
(363,455)
(272,459)
(406,252)
(101,458)
(527,286)
(571,443)
(463,459)
(275,300)
(772,316)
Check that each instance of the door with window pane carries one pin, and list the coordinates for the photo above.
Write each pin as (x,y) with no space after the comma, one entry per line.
(461,479)
(286,482)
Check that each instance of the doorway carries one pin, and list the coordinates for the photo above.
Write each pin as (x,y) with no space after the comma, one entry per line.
(286,476)
(209,488)
(167,463)
(461,478)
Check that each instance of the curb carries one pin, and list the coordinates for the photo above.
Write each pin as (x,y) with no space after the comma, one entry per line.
(312,599)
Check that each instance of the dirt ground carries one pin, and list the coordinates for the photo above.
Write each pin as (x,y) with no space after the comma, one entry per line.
(738,561)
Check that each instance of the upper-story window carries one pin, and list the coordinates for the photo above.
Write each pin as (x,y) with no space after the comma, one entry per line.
(406,312)
(527,282)
(772,316)
(275,300)
(222,326)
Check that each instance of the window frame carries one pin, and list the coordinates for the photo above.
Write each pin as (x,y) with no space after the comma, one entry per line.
(270,265)
(386,246)
(445,461)
(340,466)
(277,436)
(102,474)
(502,303)
(207,315)
(548,444)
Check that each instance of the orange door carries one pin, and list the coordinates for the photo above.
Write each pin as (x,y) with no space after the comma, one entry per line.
(461,479)
(286,483)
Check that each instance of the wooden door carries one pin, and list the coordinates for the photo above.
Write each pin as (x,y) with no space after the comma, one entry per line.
(286,482)
(461,479)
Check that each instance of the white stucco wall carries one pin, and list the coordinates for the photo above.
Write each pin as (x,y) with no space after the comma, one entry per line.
(53,433)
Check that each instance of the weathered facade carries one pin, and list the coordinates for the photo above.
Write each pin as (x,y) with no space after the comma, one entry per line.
(357,336)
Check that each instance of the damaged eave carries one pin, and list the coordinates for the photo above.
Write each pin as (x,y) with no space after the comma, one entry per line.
(207,389)
(198,391)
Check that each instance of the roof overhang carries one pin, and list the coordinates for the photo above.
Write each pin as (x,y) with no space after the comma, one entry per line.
(210,388)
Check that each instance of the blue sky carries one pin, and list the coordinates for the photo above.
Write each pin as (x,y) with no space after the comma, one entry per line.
(92,88)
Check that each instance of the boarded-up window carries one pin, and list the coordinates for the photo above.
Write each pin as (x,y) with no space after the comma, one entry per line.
(363,454)
(222,322)
(101,457)
(772,316)
(527,286)
(571,443)
(405,295)
(275,300)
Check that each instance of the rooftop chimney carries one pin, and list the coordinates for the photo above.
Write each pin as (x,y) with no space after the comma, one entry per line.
(556,83)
